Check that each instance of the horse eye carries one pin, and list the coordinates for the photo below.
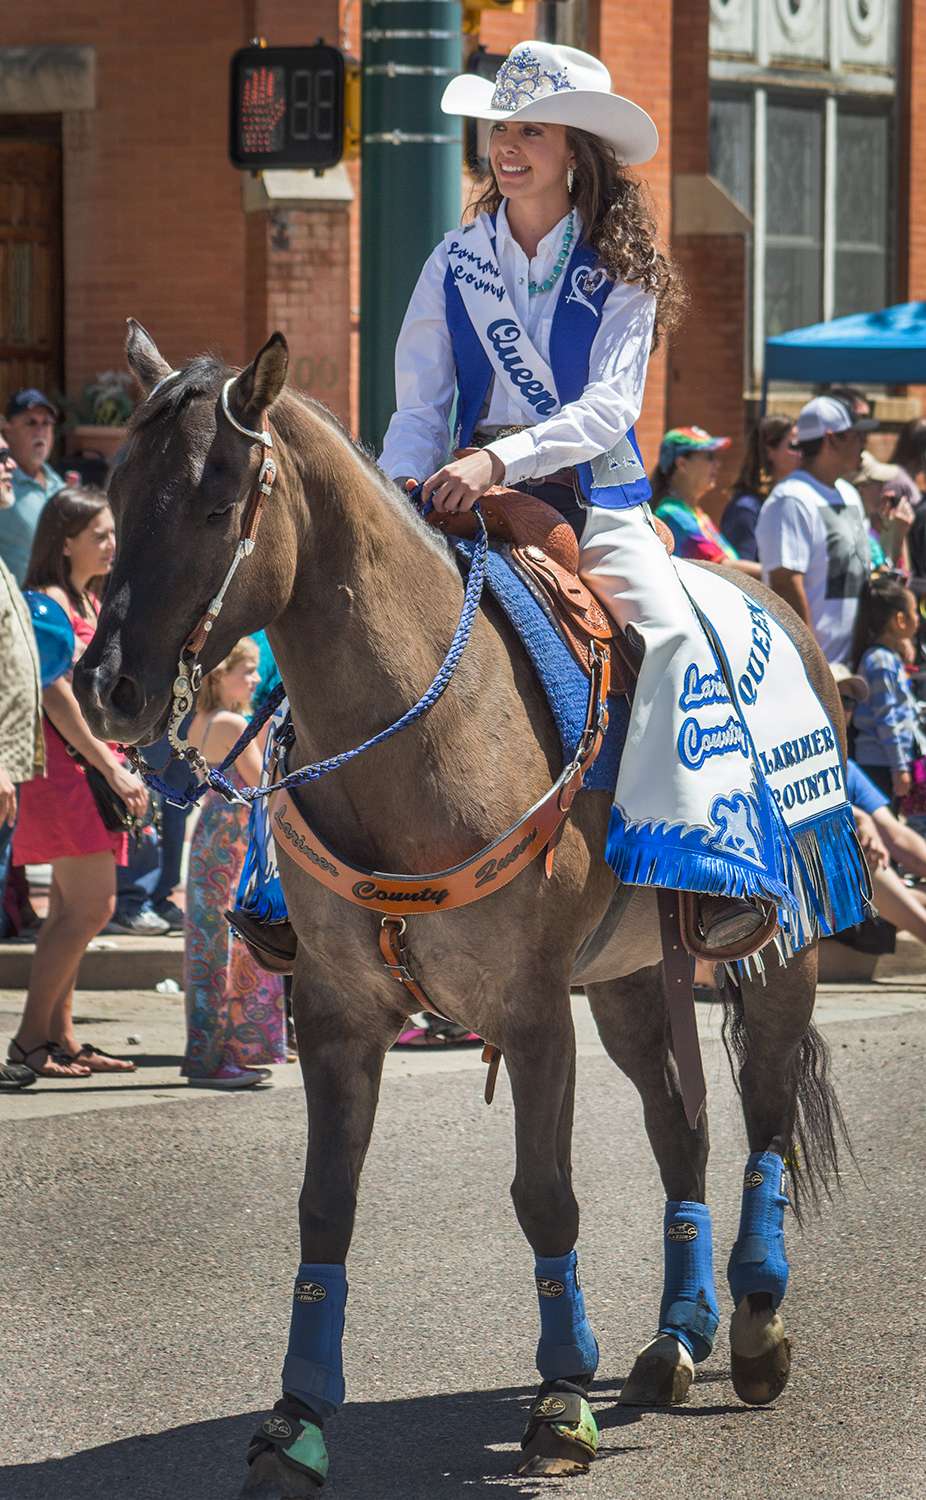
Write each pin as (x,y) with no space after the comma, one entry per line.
(221,511)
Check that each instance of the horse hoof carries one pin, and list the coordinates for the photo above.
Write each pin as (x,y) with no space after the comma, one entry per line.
(661,1375)
(551,1455)
(760,1354)
(270,1479)
(561,1436)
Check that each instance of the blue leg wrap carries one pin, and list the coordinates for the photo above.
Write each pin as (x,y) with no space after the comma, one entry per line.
(567,1345)
(689,1309)
(757,1261)
(313,1369)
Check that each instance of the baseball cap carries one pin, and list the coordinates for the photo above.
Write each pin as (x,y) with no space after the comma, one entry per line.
(828,414)
(848,681)
(26,399)
(680,442)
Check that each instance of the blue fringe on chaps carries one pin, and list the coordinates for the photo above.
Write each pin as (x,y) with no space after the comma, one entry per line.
(731,779)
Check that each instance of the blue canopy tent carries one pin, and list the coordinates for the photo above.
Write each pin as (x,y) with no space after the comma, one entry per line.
(878,348)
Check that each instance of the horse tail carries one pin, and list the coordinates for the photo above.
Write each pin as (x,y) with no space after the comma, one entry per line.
(818,1129)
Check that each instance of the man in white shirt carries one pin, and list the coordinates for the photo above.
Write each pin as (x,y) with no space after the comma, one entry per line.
(812,533)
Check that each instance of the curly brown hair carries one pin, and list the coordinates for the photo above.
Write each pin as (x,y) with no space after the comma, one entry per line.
(619,223)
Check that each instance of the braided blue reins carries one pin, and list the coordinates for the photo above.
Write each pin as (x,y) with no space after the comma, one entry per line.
(218,781)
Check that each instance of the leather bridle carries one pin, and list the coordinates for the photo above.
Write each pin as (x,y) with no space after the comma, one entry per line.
(189,670)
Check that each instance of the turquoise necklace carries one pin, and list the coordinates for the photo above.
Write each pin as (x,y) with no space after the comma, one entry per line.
(534,287)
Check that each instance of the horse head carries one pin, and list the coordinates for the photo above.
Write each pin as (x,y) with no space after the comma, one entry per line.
(178,495)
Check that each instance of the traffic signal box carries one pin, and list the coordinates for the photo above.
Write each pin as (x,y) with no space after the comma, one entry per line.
(288,107)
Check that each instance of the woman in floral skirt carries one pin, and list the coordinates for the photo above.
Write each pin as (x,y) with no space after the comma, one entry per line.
(234,1009)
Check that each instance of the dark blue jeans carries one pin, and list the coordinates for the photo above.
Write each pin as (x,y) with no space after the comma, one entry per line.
(153,869)
(7,928)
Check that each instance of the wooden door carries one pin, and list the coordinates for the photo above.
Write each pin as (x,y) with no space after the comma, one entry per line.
(30,266)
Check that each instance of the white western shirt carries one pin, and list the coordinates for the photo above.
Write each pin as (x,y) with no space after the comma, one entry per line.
(417,442)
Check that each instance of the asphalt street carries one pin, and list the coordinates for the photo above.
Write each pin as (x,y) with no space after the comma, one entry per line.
(148,1256)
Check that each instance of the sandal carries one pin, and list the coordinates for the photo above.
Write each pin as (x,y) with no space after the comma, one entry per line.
(88,1054)
(61,1063)
(438,1033)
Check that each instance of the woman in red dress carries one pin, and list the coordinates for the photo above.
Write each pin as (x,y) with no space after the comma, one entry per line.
(59,823)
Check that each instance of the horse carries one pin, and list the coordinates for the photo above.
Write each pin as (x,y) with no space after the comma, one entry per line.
(360,599)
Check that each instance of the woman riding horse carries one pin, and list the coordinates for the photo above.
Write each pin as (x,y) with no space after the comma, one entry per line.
(560,278)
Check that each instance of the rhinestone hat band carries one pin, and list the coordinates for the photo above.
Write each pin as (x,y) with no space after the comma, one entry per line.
(522,79)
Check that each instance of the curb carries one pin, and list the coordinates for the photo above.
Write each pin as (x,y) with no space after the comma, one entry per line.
(110,963)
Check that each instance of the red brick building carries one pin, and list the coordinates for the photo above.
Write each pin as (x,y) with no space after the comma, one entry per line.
(117,198)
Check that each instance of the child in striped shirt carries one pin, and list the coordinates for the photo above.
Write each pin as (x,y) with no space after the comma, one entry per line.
(886,724)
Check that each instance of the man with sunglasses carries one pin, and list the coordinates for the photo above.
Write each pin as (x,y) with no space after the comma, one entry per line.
(812,532)
(29,433)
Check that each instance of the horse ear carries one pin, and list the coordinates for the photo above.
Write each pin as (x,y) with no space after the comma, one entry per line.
(259,385)
(145,359)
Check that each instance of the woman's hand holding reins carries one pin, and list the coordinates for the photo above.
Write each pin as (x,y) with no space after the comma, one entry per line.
(458,485)
(129,787)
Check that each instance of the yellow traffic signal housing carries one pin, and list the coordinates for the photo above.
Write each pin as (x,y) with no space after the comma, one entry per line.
(472,12)
(352,116)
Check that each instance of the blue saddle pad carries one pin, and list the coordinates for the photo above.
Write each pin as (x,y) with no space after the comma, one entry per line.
(562,679)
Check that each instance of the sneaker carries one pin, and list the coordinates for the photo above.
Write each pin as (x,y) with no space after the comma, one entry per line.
(16,1075)
(170,913)
(231,1077)
(142,923)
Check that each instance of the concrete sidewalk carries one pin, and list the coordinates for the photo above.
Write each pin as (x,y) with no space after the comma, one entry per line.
(110,1017)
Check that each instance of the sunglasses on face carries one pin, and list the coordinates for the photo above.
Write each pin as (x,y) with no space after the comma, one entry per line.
(6,457)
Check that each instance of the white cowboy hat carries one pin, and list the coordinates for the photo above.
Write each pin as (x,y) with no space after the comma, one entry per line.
(558,86)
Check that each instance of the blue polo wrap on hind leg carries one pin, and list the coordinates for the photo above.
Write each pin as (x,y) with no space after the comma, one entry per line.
(757,1261)
(567,1345)
(313,1369)
(688,1310)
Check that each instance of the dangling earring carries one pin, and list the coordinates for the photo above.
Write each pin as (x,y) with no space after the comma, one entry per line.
(570,178)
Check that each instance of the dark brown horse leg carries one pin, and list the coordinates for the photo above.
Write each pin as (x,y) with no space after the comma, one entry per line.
(781,1059)
(561,1436)
(341,1050)
(632,1022)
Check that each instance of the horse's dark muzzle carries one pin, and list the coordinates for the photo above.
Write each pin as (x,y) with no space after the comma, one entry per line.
(116,707)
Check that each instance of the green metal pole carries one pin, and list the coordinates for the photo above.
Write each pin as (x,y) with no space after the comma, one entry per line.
(411,176)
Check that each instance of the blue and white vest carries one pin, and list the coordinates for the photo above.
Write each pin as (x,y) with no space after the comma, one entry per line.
(576,320)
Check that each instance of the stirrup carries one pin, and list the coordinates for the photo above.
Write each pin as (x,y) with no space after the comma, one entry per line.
(271,944)
(759,925)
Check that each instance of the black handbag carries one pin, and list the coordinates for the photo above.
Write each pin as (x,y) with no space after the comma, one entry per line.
(113,812)
(110,806)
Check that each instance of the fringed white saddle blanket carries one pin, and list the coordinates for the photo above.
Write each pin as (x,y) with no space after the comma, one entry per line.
(731,779)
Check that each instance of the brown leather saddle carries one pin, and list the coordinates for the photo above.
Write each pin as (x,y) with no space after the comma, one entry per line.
(545,552)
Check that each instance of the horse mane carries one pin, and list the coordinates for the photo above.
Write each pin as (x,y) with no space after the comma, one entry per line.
(206,374)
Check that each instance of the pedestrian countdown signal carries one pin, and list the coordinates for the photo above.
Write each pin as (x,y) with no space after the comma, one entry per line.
(287,107)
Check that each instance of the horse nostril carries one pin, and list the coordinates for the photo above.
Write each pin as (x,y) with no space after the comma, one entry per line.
(127,698)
